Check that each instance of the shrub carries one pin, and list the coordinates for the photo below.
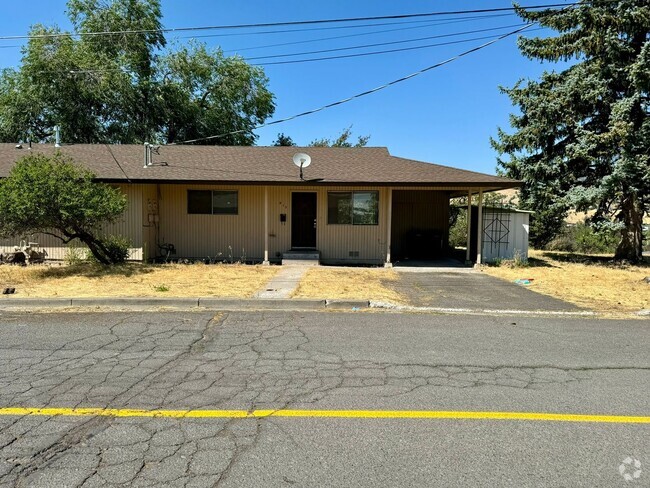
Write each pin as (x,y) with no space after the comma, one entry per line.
(74,255)
(497,262)
(584,239)
(458,227)
(116,249)
(519,260)
(563,243)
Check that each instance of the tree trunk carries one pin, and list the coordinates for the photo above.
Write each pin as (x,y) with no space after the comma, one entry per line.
(630,247)
(96,247)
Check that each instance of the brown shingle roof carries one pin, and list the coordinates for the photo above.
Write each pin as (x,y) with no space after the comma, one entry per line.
(271,165)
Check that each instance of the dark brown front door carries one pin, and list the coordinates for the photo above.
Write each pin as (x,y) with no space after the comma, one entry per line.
(303,219)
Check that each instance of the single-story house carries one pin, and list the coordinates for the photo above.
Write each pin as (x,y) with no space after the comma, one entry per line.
(352,205)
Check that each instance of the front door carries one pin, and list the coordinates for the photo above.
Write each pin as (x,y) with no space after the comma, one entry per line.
(303,220)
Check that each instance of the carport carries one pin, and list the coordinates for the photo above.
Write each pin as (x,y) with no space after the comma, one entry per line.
(419,224)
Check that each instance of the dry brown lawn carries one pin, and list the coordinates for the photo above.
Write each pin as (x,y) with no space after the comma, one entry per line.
(590,281)
(349,283)
(136,280)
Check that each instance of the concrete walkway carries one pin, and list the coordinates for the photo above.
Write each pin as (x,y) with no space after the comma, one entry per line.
(283,284)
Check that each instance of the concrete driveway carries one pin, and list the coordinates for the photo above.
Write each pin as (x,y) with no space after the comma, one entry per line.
(469,289)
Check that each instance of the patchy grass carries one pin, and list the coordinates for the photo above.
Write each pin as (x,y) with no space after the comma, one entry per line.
(591,281)
(136,280)
(349,283)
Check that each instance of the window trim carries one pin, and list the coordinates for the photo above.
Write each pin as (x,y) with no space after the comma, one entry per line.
(212,192)
(352,193)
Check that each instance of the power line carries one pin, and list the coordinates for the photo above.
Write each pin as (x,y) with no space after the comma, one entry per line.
(341,27)
(367,92)
(385,51)
(117,162)
(399,29)
(290,23)
(296,61)
(423,25)
(388,43)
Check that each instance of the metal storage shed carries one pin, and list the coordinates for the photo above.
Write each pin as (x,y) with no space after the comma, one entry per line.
(505,233)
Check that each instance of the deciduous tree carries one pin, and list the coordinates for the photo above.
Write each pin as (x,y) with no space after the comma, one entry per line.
(343,140)
(54,196)
(127,86)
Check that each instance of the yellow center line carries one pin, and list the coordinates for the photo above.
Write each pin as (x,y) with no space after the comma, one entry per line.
(355,414)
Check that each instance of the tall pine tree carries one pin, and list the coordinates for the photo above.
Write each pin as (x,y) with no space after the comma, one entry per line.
(582,137)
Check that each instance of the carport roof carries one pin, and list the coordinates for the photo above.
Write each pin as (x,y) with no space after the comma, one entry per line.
(257,165)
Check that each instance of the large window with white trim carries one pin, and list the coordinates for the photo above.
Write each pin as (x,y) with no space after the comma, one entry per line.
(353,207)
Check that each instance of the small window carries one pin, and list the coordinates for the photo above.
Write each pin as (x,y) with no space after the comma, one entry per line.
(215,202)
(199,202)
(339,208)
(225,202)
(356,208)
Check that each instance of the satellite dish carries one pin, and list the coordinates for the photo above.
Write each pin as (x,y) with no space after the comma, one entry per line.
(301,160)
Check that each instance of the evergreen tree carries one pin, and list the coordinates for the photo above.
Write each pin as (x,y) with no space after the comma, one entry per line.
(582,138)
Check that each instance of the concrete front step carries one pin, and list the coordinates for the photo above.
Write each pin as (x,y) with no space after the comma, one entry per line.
(300,262)
(301,257)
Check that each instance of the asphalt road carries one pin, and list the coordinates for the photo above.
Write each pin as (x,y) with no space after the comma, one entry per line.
(313,361)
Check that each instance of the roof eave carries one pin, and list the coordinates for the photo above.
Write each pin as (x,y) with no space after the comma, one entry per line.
(485,186)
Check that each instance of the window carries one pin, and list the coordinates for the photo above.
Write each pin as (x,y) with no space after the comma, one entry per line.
(353,207)
(217,202)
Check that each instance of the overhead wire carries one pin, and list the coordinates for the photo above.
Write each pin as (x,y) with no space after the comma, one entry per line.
(326,58)
(375,53)
(367,92)
(277,24)
(108,146)
(388,43)
(357,26)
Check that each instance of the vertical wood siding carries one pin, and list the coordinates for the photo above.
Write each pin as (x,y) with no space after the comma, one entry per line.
(334,241)
(240,236)
(419,210)
(234,237)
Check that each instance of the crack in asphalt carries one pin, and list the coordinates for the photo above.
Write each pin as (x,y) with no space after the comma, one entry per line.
(250,361)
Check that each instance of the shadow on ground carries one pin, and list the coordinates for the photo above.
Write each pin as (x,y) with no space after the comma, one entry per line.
(91,270)
(588,259)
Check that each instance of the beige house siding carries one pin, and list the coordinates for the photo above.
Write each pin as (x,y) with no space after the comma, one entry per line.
(157,214)
(238,236)
(241,236)
(335,242)
(150,221)
(128,225)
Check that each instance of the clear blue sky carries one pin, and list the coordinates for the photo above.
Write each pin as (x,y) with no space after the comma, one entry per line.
(445,116)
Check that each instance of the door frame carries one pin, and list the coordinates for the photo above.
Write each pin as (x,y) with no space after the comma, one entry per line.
(291,221)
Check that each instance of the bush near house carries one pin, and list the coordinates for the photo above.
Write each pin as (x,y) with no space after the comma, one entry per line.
(55,196)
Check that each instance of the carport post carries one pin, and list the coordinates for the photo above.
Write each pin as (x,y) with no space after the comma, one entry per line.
(469,224)
(479,237)
(389,223)
(266,225)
